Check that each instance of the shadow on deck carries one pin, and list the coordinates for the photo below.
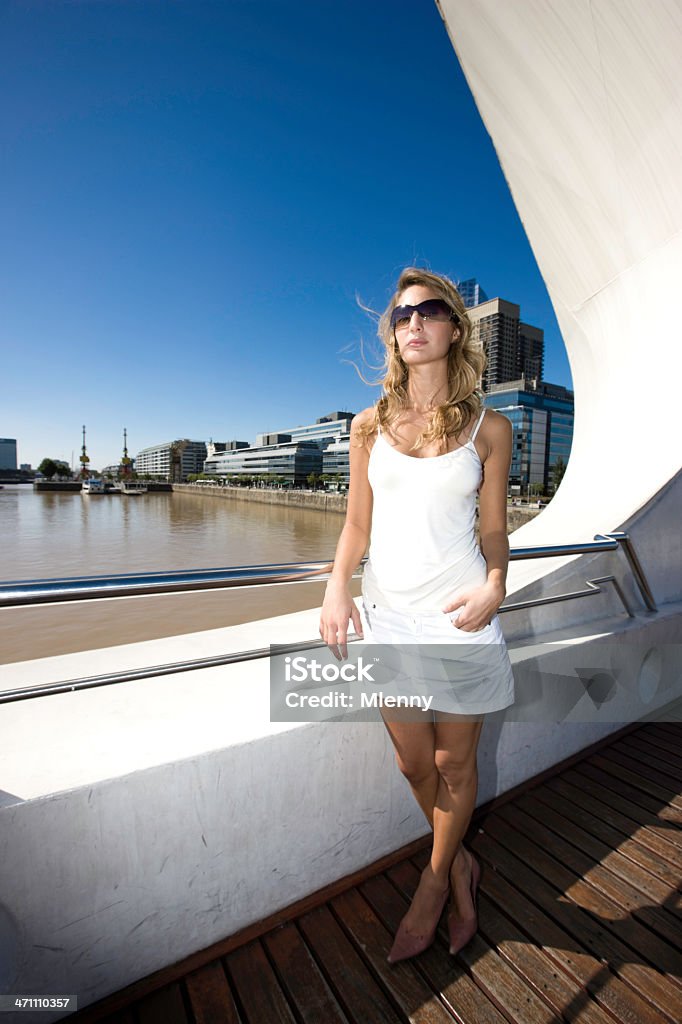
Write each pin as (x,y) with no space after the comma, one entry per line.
(579,919)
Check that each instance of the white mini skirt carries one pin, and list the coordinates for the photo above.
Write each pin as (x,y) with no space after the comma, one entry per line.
(429,656)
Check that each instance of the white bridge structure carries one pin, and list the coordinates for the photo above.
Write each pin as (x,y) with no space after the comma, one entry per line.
(143,821)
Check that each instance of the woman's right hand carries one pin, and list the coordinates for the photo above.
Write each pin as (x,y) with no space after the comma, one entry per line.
(338,608)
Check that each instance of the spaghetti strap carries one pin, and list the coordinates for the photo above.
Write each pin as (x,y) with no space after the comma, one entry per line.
(480,420)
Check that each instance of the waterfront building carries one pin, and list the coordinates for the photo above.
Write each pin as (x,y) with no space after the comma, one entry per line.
(272,438)
(319,447)
(542,419)
(293,460)
(336,458)
(323,431)
(224,446)
(8,453)
(172,460)
(471,292)
(513,349)
(331,433)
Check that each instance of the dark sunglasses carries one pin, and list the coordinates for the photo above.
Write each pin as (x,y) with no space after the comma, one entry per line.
(430,309)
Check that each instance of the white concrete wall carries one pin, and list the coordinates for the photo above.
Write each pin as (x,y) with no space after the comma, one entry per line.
(142,822)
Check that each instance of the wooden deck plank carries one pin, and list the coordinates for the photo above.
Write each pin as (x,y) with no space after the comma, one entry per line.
(672,729)
(659,821)
(629,886)
(258,992)
(664,745)
(639,776)
(614,829)
(567,951)
(634,798)
(210,995)
(661,728)
(592,935)
(362,999)
(444,973)
(301,978)
(605,898)
(163,1007)
(503,986)
(410,993)
(661,748)
(643,753)
(566,996)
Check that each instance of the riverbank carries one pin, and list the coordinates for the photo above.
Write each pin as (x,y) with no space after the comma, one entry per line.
(321,501)
(317,500)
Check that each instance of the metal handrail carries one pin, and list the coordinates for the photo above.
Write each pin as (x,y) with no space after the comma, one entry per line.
(91,588)
(25,593)
(15,594)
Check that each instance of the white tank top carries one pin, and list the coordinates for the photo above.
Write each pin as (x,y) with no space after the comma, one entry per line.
(423,547)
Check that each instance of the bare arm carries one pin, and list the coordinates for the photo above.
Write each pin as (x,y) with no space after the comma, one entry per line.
(493,502)
(338,606)
(481,603)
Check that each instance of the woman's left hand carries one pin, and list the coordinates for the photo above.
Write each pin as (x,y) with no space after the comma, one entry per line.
(478,605)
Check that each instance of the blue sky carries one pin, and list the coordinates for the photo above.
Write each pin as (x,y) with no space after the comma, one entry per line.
(194,193)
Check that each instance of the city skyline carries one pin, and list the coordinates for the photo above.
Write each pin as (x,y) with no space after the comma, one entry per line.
(196,201)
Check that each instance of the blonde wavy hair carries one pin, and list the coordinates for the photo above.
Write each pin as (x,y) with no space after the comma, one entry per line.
(466,363)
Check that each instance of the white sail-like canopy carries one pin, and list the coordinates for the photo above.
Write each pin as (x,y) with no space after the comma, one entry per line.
(583,101)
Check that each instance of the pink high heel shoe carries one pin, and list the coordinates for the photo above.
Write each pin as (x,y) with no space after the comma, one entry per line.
(462,931)
(406,945)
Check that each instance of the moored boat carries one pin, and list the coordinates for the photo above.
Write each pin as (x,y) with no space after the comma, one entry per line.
(93,486)
(131,487)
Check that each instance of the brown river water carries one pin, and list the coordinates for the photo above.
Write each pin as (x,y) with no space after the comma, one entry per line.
(59,534)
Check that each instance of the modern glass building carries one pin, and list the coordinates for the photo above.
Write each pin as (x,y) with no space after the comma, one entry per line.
(542,419)
(294,453)
(332,435)
(8,453)
(471,292)
(323,431)
(335,458)
(294,460)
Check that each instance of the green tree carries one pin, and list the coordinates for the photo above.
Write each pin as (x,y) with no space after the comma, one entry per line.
(48,467)
(54,467)
(311,480)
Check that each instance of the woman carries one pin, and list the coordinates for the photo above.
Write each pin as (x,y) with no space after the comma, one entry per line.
(417,460)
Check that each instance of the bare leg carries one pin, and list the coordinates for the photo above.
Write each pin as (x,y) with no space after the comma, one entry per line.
(413,735)
(456,748)
(439,761)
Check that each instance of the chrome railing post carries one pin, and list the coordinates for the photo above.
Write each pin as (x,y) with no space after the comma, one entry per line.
(625,542)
